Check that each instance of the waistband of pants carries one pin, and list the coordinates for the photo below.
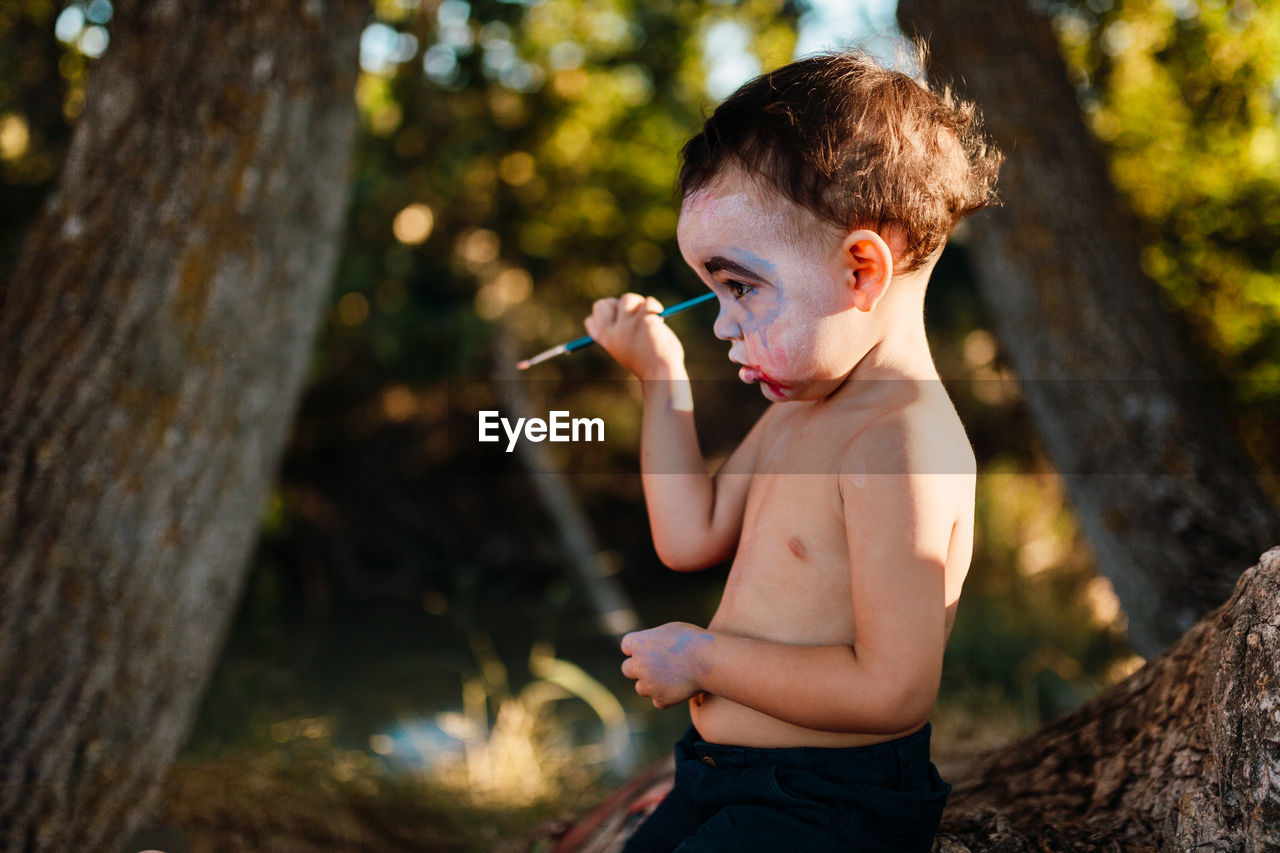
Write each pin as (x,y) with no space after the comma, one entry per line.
(898,763)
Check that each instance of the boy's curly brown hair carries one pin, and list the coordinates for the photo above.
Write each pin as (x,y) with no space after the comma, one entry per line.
(856,144)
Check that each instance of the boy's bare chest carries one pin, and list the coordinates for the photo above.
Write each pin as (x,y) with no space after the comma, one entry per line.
(790,579)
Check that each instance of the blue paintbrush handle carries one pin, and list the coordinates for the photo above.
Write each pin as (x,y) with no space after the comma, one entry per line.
(586,340)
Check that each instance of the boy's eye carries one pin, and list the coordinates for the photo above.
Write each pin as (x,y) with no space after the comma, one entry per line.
(738,288)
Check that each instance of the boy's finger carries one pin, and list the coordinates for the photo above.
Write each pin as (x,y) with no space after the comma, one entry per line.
(629,302)
(605,310)
(627,640)
(652,305)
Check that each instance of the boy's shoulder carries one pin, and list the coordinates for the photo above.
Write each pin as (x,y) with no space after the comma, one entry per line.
(913,431)
(920,433)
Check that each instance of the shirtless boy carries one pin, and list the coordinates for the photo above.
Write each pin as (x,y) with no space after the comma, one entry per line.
(816,201)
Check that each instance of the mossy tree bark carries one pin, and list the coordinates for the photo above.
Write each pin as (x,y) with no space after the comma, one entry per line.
(154,336)
(1183,755)
(1163,489)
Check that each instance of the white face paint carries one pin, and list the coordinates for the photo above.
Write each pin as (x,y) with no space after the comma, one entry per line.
(785,303)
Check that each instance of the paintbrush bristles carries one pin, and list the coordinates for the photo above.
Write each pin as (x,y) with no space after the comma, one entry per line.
(541,357)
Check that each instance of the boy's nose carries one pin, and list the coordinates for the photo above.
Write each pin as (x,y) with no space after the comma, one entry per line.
(726,328)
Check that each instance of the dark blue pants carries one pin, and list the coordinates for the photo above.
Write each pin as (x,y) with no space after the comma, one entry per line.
(883,797)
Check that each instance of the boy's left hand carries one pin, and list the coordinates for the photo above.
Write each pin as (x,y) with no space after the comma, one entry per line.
(665,661)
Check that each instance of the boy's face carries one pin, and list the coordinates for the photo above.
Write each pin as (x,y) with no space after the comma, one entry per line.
(785,303)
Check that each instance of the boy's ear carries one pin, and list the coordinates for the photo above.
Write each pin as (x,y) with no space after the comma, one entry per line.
(869,267)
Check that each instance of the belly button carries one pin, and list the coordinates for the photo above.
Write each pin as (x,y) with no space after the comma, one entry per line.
(796,546)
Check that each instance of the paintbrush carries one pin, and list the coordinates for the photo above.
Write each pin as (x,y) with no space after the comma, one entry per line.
(587,340)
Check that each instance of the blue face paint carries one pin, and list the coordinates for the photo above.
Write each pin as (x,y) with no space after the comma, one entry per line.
(756,262)
(763,311)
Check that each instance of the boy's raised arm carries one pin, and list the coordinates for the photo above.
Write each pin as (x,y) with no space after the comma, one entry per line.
(695,518)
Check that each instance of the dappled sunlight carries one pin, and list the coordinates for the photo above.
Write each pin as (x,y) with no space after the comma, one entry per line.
(504,749)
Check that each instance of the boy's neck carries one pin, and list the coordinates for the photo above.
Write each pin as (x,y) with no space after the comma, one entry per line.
(900,349)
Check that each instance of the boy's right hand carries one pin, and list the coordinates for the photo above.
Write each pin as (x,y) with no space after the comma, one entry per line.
(631,331)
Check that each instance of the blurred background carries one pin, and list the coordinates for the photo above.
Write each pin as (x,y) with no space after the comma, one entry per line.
(430,629)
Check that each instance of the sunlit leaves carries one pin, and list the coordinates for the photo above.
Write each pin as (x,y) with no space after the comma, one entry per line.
(552,126)
(1187,97)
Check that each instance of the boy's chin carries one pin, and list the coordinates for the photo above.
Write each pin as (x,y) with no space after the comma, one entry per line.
(776,393)
(807,391)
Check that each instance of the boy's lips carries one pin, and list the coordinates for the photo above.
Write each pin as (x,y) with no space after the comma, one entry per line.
(751,374)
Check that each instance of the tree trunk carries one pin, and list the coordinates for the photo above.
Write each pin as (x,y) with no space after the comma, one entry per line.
(1162,488)
(1184,754)
(609,602)
(154,337)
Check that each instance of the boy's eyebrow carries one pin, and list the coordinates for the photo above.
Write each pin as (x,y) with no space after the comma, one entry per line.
(720,262)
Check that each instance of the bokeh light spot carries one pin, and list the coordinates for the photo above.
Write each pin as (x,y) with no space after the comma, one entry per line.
(353,309)
(398,403)
(99,11)
(412,226)
(382,47)
(15,136)
(478,247)
(644,258)
(979,348)
(510,287)
(69,24)
(570,84)
(440,62)
(516,168)
(566,55)
(93,41)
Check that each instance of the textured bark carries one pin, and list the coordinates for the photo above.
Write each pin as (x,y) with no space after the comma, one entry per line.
(154,336)
(1184,754)
(1165,494)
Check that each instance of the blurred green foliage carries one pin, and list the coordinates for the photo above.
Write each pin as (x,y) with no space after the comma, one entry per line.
(539,143)
(1186,97)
